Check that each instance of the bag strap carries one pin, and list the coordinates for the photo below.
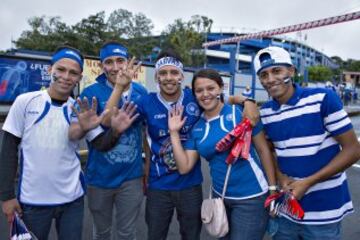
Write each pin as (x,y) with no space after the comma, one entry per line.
(226,181)
(229,165)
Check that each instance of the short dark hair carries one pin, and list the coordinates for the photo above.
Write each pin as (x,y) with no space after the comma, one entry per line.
(169,53)
(107,42)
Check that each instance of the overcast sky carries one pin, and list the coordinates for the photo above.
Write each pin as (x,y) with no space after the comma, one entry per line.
(228,15)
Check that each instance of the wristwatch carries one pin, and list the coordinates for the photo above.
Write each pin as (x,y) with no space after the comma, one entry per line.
(250,100)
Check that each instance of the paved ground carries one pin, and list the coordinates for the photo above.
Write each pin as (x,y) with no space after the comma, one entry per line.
(350,224)
(350,229)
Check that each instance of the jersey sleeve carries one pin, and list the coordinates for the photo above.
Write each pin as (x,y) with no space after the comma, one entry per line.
(336,120)
(15,120)
(93,133)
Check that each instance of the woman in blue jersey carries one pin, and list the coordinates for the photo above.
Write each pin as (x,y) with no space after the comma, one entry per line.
(247,186)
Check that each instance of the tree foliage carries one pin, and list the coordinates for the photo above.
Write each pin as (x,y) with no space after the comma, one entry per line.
(320,73)
(133,30)
(186,38)
(90,33)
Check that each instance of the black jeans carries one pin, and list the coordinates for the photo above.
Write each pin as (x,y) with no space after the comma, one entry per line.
(160,207)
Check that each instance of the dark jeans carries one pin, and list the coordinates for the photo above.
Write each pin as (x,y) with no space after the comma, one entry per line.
(160,207)
(68,218)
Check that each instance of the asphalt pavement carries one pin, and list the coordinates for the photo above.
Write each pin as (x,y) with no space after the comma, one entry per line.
(350,224)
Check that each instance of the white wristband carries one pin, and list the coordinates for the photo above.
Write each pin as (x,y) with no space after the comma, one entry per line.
(273,188)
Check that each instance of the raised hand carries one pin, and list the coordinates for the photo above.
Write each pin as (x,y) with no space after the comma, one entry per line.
(87,116)
(175,119)
(251,112)
(122,119)
(125,76)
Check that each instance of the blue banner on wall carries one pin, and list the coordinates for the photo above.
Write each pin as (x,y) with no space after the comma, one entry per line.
(18,76)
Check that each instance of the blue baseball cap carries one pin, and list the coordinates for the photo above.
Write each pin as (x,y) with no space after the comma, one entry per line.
(113,49)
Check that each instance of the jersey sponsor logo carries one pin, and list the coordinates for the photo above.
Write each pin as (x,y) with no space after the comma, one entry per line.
(32,112)
(162,132)
(229,117)
(193,109)
(160,116)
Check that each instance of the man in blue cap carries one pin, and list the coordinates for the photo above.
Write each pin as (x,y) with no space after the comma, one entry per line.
(314,142)
(50,177)
(114,177)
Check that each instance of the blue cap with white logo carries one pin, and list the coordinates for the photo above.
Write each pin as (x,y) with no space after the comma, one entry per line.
(113,49)
(271,56)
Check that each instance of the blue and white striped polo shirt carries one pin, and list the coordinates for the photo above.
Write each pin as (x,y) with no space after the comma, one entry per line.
(302,131)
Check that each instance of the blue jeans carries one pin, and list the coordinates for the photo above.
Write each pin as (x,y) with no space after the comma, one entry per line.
(68,218)
(247,218)
(288,230)
(160,207)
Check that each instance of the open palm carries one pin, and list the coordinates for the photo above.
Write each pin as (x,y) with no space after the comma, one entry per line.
(122,119)
(87,116)
(125,76)
(175,119)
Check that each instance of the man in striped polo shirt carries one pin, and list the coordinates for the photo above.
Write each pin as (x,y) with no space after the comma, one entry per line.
(314,141)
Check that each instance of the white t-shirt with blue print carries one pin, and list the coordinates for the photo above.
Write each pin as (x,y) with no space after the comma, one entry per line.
(50,171)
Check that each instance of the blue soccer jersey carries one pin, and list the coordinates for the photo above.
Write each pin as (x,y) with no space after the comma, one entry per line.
(302,131)
(163,171)
(246,179)
(123,162)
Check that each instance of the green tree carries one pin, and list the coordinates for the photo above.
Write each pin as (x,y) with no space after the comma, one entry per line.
(320,73)
(133,30)
(90,33)
(46,33)
(186,38)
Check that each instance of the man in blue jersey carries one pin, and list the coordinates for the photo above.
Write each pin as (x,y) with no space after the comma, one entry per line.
(168,189)
(314,142)
(114,177)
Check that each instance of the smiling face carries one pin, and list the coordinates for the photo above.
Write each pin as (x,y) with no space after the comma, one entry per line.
(169,79)
(274,80)
(207,93)
(67,74)
(111,67)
